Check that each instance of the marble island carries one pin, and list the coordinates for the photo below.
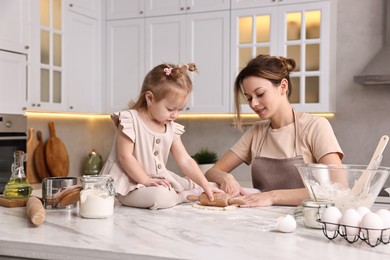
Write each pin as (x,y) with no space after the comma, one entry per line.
(182,232)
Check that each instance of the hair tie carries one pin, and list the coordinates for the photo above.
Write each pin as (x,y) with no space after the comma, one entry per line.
(168,71)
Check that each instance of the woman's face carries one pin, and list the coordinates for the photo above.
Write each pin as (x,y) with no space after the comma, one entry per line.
(169,108)
(263,97)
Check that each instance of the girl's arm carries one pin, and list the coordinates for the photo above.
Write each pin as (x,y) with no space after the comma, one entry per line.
(189,167)
(124,153)
(220,173)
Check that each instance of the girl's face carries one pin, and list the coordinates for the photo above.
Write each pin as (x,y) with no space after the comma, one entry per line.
(169,108)
(263,97)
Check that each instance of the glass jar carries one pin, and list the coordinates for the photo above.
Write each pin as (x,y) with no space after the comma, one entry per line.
(97,197)
(312,211)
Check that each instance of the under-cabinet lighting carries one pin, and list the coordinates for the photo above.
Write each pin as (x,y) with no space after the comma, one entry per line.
(38,114)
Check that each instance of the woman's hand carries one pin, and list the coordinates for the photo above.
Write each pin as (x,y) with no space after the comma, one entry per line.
(157,182)
(230,185)
(261,199)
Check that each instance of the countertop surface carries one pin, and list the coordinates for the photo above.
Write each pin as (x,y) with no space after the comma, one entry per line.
(181,232)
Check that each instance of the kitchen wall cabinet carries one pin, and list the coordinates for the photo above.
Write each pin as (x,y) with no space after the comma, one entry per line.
(202,38)
(123,9)
(64,58)
(14,25)
(82,54)
(237,4)
(90,8)
(125,69)
(171,7)
(298,31)
(13,68)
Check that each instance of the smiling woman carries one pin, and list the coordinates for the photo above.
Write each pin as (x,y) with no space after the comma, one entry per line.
(283,138)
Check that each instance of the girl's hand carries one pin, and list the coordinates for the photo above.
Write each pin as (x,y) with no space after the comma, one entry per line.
(210,191)
(157,182)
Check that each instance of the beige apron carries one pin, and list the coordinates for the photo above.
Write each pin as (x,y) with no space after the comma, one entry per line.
(273,174)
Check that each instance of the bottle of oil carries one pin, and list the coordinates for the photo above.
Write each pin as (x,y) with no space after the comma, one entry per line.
(18,186)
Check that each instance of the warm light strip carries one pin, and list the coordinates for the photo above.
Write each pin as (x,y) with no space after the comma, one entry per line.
(182,116)
(66,115)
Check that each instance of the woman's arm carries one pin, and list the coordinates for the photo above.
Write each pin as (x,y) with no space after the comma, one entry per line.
(220,174)
(124,153)
(289,197)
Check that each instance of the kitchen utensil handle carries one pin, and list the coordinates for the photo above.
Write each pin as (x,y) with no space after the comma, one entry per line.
(361,184)
(193,198)
(35,211)
(235,201)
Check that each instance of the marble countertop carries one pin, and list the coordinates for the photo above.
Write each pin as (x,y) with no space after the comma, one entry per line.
(182,232)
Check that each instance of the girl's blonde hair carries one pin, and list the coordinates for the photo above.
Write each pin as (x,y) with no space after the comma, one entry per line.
(272,68)
(164,79)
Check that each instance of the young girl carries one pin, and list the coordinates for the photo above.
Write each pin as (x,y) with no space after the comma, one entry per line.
(146,133)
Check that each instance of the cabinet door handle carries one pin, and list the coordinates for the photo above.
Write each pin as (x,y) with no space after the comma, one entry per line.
(38,105)
(188,8)
(71,107)
(70,5)
(26,47)
(181,8)
(141,12)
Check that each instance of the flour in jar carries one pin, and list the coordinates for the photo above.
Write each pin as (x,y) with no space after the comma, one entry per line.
(96,203)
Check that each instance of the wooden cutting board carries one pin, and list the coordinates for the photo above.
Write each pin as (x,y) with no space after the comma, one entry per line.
(32,144)
(57,158)
(40,158)
(10,203)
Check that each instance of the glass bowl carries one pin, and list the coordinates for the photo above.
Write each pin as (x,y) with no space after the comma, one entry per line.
(345,186)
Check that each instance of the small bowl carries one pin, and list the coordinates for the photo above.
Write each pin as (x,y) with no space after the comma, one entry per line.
(335,184)
(51,188)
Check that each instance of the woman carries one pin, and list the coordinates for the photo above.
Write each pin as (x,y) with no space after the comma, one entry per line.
(283,138)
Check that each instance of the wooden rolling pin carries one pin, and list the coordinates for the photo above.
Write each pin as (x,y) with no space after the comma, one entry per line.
(35,211)
(220,200)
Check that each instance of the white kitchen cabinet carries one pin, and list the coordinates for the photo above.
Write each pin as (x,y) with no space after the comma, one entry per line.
(170,7)
(202,38)
(64,59)
(237,4)
(123,9)
(89,8)
(298,31)
(14,25)
(125,69)
(82,59)
(13,69)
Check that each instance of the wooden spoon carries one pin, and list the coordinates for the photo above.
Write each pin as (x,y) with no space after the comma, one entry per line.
(65,197)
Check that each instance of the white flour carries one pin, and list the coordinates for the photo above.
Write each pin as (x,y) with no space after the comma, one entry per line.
(95,203)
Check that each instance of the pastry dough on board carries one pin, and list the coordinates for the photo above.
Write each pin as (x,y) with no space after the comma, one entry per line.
(230,207)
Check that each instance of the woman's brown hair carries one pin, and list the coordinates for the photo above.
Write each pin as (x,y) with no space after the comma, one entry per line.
(272,68)
(163,80)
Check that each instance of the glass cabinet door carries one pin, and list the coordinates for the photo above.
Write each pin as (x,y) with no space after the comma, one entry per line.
(300,32)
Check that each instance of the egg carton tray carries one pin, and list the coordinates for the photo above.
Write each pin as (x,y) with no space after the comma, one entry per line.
(371,236)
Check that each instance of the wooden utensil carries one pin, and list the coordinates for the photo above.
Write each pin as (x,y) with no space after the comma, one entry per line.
(362,184)
(35,211)
(40,159)
(220,200)
(32,144)
(56,154)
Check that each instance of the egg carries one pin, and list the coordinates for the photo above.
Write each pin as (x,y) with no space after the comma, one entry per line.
(286,224)
(371,226)
(349,224)
(385,215)
(331,217)
(363,210)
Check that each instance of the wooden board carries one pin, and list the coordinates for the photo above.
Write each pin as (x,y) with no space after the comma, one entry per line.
(56,154)
(32,144)
(10,203)
(40,159)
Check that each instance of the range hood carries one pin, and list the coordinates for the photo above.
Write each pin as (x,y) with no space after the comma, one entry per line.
(377,72)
